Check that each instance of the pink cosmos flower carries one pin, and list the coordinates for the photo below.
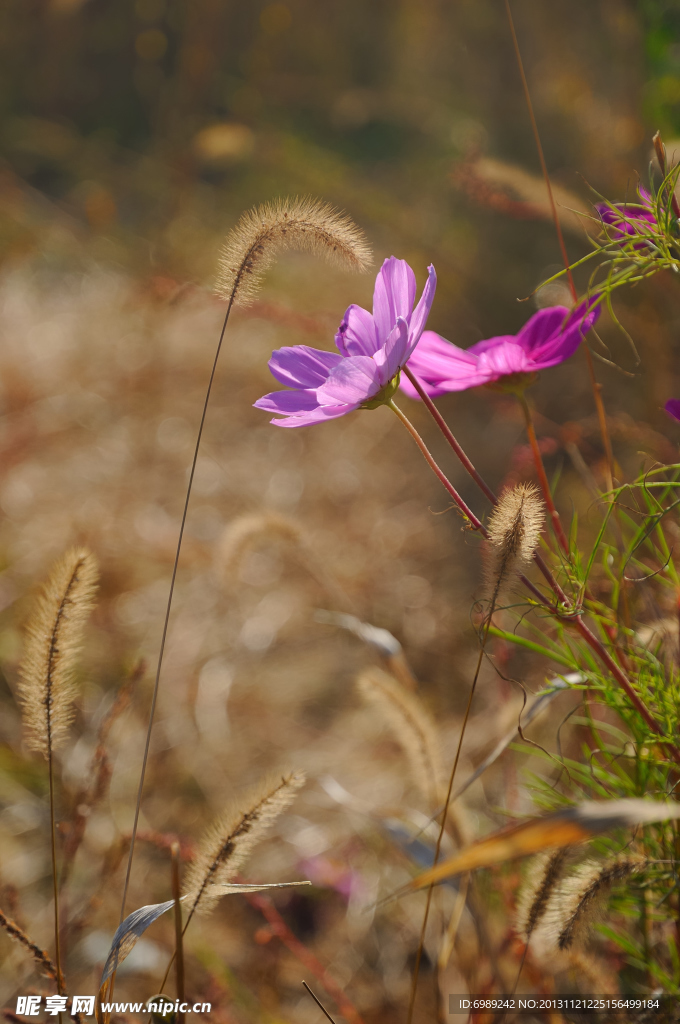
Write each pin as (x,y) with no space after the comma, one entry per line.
(672,407)
(548,338)
(371,351)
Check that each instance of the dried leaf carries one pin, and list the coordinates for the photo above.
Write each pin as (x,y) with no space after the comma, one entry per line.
(560,828)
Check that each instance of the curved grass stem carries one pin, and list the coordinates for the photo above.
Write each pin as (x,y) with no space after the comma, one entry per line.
(166,620)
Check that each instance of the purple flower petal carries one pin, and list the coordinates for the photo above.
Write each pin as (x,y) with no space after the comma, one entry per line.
(430,389)
(541,327)
(301,366)
(394,295)
(288,403)
(422,310)
(392,356)
(504,359)
(320,415)
(356,335)
(562,344)
(351,382)
(439,364)
(672,407)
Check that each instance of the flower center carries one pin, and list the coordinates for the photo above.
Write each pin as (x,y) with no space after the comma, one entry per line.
(384,396)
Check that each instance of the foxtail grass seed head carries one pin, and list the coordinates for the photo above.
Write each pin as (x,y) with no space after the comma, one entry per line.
(578,900)
(309,224)
(514,531)
(411,725)
(230,839)
(53,639)
(543,875)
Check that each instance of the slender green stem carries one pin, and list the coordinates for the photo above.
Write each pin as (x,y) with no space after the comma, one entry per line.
(542,476)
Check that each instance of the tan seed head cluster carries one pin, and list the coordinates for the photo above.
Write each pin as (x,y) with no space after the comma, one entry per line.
(53,639)
(308,224)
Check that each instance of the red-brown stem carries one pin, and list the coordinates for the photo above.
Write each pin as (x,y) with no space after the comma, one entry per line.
(597,388)
(441,476)
(542,477)
(441,423)
(280,929)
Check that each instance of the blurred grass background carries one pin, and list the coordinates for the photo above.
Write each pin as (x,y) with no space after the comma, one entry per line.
(132,135)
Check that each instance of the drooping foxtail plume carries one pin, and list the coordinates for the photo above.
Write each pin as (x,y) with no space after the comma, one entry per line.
(514,529)
(576,902)
(253,244)
(39,956)
(543,874)
(53,640)
(230,839)
(411,726)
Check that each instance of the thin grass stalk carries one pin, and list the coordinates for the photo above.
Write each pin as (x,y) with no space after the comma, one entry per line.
(555,520)
(55,881)
(318,1002)
(596,387)
(154,698)
(179,948)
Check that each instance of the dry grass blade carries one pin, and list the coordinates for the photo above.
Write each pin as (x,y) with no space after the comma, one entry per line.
(53,640)
(230,839)
(411,726)
(561,828)
(125,938)
(253,244)
(136,923)
(40,957)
